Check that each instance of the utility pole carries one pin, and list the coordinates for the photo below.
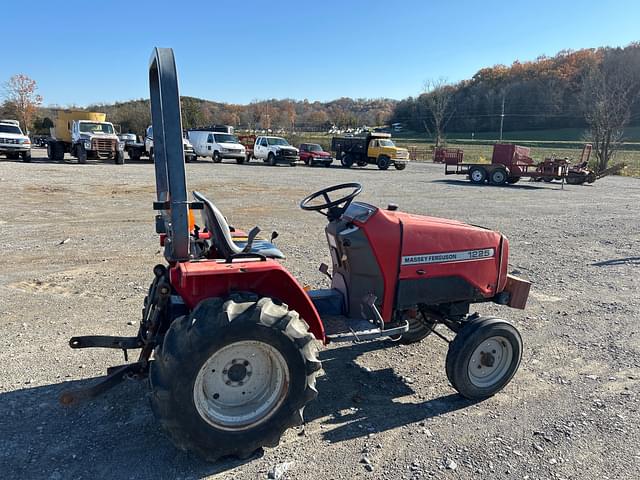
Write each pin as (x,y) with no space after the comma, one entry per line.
(502,117)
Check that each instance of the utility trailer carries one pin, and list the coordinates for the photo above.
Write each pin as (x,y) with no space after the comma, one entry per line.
(510,163)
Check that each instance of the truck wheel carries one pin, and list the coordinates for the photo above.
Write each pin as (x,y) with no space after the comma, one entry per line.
(420,327)
(119,158)
(81,153)
(26,156)
(308,161)
(400,166)
(346,161)
(240,161)
(361,163)
(383,162)
(134,155)
(216,157)
(233,376)
(498,177)
(483,357)
(50,153)
(477,175)
(271,159)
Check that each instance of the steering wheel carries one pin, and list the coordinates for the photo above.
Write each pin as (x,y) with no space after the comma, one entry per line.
(332,209)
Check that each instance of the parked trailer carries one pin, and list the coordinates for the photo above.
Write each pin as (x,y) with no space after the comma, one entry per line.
(510,163)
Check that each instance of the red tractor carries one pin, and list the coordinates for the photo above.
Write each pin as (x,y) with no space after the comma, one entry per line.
(229,337)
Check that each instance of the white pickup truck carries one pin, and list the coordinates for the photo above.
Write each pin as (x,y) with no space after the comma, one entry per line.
(13,143)
(137,150)
(274,150)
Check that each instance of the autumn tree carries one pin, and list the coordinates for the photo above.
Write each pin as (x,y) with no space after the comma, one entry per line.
(22,99)
(437,98)
(608,94)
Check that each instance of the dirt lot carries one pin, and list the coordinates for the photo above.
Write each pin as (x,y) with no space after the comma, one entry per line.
(79,245)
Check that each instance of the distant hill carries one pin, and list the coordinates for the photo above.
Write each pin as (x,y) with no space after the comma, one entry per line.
(544,94)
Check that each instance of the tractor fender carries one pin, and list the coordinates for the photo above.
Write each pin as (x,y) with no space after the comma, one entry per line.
(198,281)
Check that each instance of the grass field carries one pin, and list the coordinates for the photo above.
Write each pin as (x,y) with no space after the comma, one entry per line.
(480,150)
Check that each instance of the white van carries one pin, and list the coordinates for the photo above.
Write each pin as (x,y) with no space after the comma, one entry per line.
(217,145)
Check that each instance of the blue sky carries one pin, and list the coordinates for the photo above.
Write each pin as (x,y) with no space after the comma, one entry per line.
(83,52)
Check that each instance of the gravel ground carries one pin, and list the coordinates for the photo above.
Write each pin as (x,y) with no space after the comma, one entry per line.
(79,247)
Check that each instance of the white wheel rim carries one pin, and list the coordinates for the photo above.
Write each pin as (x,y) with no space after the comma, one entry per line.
(490,362)
(476,175)
(241,385)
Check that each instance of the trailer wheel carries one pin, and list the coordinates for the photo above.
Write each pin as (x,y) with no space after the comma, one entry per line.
(346,161)
(81,153)
(498,177)
(234,375)
(383,162)
(400,166)
(477,175)
(483,357)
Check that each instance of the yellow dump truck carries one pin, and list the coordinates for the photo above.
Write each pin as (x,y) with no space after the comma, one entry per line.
(84,135)
(371,148)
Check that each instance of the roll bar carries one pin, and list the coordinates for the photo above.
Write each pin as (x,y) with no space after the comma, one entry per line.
(171,182)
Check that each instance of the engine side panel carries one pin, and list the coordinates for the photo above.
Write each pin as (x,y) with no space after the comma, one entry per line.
(452,261)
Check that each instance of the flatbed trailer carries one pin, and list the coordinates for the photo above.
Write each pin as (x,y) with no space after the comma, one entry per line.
(510,163)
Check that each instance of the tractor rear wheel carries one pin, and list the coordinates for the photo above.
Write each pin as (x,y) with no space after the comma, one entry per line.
(483,357)
(477,175)
(420,327)
(234,375)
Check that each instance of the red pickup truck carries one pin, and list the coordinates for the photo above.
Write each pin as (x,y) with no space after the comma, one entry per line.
(313,154)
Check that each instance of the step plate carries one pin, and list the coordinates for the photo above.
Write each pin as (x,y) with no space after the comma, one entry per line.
(343,329)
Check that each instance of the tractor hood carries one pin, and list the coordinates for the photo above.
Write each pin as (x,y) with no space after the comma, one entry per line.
(460,256)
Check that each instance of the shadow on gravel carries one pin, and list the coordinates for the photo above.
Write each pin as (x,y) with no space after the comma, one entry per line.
(346,385)
(519,186)
(117,436)
(113,436)
(618,261)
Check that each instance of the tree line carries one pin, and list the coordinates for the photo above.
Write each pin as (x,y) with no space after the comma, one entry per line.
(595,89)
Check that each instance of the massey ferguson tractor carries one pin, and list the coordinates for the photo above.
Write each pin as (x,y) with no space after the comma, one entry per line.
(228,337)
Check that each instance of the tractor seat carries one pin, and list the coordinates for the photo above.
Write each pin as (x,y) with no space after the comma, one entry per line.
(221,237)
(261,246)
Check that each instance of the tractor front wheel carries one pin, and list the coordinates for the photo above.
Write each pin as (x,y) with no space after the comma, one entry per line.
(234,375)
(483,357)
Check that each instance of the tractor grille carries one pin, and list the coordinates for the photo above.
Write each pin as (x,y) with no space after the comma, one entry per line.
(103,145)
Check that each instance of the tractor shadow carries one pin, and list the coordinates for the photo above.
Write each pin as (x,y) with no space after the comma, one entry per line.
(117,436)
(112,436)
(368,397)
